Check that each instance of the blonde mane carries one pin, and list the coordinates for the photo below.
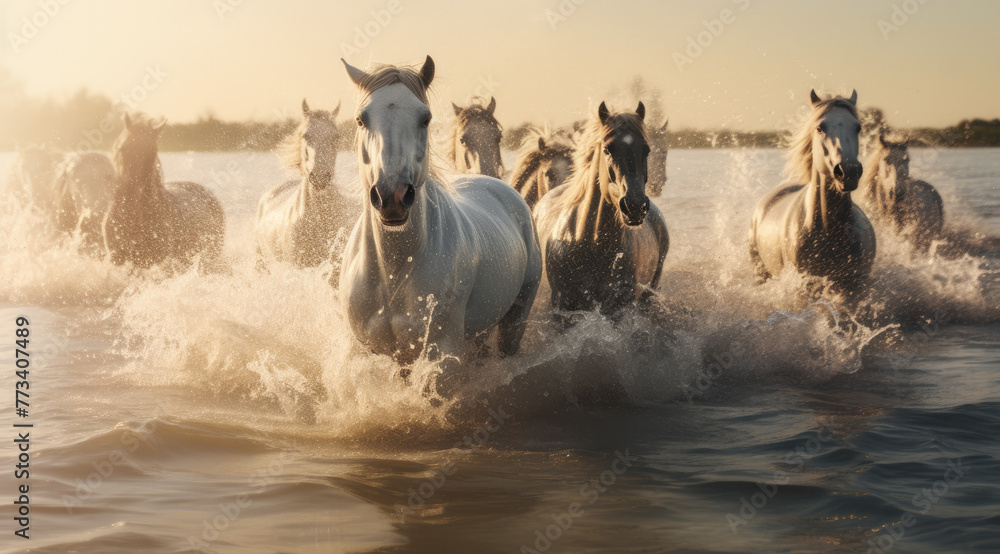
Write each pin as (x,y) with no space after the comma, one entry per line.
(530,157)
(587,163)
(383,75)
(799,167)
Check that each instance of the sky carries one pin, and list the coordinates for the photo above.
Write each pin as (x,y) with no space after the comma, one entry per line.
(740,64)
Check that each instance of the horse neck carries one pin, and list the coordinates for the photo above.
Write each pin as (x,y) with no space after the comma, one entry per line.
(825,206)
(142,186)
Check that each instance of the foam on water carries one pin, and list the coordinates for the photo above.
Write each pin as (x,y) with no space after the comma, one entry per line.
(272,348)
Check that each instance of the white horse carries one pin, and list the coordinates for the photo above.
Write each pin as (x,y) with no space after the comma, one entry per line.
(815,227)
(909,206)
(298,221)
(84,189)
(429,266)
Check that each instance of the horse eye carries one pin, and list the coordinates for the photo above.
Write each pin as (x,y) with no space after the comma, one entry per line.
(820,129)
(606,151)
(427,121)
(360,121)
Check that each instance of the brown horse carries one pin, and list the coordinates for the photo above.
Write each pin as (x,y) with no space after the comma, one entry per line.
(912,207)
(475,140)
(546,162)
(815,227)
(602,240)
(150,222)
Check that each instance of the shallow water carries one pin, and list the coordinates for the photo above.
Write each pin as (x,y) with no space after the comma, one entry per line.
(234,412)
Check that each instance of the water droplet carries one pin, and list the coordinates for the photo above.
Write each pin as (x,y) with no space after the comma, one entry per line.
(409,258)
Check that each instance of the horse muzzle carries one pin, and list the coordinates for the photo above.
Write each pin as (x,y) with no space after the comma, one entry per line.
(393,203)
(848,174)
(634,212)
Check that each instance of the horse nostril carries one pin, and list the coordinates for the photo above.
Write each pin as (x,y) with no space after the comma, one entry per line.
(409,196)
(838,172)
(375,198)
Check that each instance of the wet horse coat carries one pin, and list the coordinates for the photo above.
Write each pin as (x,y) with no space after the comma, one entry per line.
(429,266)
(602,240)
(815,227)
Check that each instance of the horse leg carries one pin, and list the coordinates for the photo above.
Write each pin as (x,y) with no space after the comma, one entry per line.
(511,328)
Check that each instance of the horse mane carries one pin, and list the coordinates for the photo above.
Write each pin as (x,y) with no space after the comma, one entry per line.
(530,157)
(586,162)
(800,160)
(383,75)
(141,129)
(289,150)
(474,112)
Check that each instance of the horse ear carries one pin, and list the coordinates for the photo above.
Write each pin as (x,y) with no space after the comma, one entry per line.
(128,120)
(457,108)
(664,128)
(305,107)
(354,73)
(541,143)
(881,139)
(641,111)
(493,105)
(854,97)
(333,114)
(157,127)
(427,72)
(602,113)
(814,97)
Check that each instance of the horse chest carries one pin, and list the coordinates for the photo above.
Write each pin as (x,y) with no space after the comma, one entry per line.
(583,274)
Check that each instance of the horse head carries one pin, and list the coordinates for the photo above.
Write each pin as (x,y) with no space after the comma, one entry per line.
(476,139)
(392,138)
(624,155)
(135,150)
(835,140)
(893,169)
(317,143)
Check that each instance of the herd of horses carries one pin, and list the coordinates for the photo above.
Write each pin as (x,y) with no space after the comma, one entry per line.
(432,264)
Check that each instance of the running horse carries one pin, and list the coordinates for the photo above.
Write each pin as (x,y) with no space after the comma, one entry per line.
(912,207)
(474,146)
(428,265)
(602,240)
(810,223)
(149,222)
(298,221)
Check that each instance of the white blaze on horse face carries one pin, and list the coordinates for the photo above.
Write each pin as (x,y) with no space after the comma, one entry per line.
(394,137)
(835,140)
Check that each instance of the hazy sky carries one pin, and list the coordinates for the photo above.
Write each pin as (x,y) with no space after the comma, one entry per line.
(547,60)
